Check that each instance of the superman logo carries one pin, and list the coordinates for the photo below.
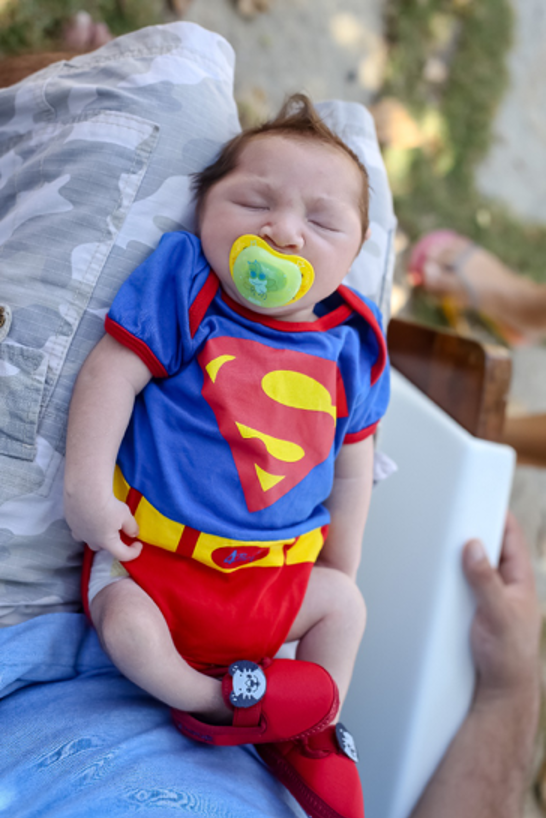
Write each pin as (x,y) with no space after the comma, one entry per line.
(275,408)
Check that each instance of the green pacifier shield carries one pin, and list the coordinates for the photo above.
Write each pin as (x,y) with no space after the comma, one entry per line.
(264,279)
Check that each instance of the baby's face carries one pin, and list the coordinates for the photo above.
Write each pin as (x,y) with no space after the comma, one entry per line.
(302,197)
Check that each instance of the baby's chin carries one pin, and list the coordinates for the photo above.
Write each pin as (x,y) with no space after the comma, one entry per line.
(298,315)
(290,313)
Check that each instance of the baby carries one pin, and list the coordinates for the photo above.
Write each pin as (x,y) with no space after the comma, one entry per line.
(232,405)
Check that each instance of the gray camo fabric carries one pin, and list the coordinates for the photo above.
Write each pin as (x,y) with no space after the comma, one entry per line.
(96,157)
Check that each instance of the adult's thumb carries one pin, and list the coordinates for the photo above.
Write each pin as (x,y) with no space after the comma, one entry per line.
(483,579)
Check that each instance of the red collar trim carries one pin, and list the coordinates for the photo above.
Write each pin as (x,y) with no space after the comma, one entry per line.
(353,303)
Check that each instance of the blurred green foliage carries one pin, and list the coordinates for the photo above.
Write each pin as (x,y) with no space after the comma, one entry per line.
(434,184)
(36,25)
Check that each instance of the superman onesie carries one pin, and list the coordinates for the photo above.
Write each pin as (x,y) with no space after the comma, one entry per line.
(230,451)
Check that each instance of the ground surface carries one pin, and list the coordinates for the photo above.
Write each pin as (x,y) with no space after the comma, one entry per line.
(329,49)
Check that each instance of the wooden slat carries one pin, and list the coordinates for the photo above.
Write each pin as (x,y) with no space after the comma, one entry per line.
(16,68)
(466,378)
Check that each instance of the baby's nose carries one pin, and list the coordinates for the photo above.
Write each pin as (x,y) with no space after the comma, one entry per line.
(284,231)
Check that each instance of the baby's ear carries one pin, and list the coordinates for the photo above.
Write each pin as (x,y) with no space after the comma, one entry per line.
(368,234)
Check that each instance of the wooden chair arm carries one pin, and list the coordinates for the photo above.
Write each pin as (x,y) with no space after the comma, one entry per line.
(467,379)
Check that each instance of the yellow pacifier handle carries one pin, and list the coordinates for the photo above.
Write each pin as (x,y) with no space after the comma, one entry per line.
(265,277)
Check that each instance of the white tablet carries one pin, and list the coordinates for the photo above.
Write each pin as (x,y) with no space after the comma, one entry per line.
(414,675)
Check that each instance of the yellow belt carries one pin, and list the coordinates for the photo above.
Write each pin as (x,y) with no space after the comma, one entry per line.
(158,530)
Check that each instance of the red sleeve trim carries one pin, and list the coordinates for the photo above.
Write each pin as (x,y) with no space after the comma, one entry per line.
(356,437)
(360,307)
(202,302)
(137,346)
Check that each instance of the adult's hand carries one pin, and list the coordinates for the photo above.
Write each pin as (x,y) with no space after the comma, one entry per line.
(506,628)
(484,772)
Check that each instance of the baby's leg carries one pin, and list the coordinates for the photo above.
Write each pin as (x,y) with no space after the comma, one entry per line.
(330,624)
(133,632)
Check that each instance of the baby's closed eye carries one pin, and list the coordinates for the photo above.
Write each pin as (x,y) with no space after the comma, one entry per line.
(252,204)
(324,224)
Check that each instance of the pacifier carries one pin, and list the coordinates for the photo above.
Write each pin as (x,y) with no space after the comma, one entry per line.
(265,277)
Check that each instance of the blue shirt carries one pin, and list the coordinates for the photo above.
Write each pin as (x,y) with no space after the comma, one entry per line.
(237,432)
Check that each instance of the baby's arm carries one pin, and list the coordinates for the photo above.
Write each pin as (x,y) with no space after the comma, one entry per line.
(331,620)
(348,505)
(100,411)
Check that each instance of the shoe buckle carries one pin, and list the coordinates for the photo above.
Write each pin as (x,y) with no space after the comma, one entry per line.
(248,683)
(346,742)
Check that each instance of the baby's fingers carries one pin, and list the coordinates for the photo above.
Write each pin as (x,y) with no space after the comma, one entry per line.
(122,551)
(129,525)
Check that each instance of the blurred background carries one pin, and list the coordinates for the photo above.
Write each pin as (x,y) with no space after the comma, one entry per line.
(457,89)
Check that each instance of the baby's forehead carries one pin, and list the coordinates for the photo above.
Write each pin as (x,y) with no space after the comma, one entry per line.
(263,153)
(265,143)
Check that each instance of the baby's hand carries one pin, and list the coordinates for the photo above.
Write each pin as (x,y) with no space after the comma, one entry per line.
(100,525)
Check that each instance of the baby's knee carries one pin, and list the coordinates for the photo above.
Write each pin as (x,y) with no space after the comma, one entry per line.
(345,598)
(355,604)
(118,623)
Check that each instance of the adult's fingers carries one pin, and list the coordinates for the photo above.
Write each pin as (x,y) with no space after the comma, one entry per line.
(485,582)
(515,563)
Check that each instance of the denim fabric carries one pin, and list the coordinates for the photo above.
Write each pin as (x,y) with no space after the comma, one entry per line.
(80,741)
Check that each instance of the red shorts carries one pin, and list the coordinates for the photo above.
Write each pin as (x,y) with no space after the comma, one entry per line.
(223,599)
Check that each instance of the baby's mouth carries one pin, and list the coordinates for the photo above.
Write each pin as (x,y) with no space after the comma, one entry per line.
(267,277)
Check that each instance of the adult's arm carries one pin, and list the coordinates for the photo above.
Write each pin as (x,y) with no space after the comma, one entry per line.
(484,773)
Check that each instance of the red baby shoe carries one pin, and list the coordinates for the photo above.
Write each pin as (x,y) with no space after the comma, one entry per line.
(278,700)
(320,772)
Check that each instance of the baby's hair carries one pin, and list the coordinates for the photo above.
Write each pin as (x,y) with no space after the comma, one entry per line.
(297,119)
